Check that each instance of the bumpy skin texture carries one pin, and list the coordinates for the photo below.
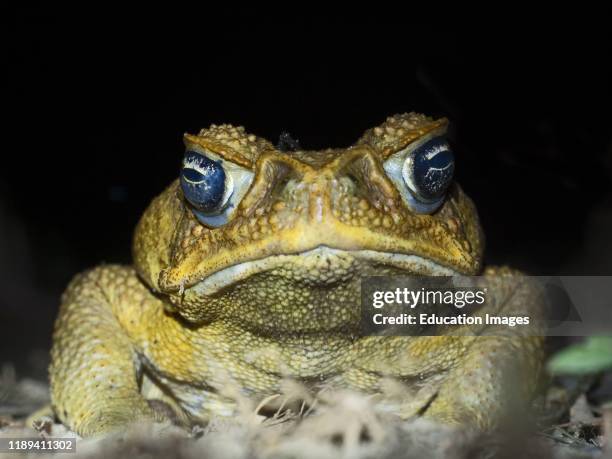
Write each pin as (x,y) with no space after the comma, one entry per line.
(274,294)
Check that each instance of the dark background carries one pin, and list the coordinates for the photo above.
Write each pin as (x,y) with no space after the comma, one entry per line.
(96,103)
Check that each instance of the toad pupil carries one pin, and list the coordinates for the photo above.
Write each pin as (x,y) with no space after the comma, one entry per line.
(203,182)
(429,171)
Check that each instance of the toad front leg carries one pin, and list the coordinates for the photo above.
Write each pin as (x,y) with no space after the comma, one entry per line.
(94,369)
(497,375)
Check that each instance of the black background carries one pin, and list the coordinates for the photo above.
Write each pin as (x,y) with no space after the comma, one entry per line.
(96,103)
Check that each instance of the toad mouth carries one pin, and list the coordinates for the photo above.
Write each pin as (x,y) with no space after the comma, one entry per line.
(412,264)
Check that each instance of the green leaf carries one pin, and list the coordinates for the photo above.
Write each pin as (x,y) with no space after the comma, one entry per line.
(592,356)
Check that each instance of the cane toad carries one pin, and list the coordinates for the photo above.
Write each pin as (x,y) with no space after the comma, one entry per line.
(246,271)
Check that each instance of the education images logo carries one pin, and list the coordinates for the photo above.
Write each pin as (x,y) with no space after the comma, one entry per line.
(420,305)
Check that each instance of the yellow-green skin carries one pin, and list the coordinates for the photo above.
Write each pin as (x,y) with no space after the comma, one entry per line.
(314,222)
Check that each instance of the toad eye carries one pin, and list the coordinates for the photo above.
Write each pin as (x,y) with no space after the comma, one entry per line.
(428,171)
(205,183)
(422,174)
